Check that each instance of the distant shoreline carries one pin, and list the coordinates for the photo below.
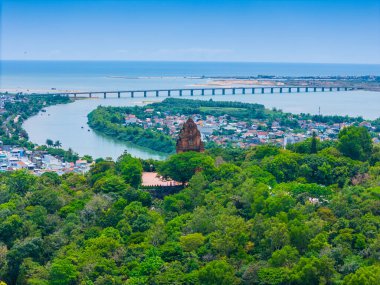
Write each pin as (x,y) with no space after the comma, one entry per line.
(369,83)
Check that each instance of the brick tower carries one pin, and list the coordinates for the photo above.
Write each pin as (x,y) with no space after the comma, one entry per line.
(189,138)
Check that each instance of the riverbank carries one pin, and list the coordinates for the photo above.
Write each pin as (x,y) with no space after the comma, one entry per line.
(17,152)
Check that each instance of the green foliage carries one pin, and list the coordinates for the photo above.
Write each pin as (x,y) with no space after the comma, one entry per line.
(111,183)
(63,272)
(110,120)
(263,151)
(313,271)
(369,275)
(284,257)
(217,272)
(192,242)
(264,216)
(284,166)
(130,169)
(182,166)
(20,182)
(355,142)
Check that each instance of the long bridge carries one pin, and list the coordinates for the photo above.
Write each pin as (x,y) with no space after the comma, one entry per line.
(204,91)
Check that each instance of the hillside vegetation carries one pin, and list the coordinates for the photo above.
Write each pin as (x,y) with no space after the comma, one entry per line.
(258,216)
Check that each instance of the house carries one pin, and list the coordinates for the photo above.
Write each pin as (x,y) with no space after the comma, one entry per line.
(51,163)
(3,158)
(207,130)
(262,135)
(17,152)
(19,165)
(275,125)
(13,162)
(81,163)
(130,119)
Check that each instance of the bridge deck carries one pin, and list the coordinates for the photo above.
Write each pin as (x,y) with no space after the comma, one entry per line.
(212,90)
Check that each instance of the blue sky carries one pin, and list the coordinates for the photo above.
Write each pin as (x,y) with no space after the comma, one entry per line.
(321,31)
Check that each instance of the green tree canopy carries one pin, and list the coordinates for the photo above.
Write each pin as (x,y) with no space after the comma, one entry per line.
(217,272)
(355,142)
(182,166)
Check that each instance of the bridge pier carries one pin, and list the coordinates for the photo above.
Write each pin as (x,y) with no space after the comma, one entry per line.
(168,93)
(323,89)
(253,90)
(298,90)
(290,90)
(132,94)
(223,91)
(75,95)
(89,95)
(191,92)
(338,89)
(262,90)
(280,89)
(271,90)
(315,89)
(345,88)
(213,91)
(144,93)
(180,92)
(307,89)
(330,89)
(157,93)
(233,91)
(243,90)
(118,95)
(203,92)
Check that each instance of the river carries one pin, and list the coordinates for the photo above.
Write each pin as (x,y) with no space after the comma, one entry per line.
(65,122)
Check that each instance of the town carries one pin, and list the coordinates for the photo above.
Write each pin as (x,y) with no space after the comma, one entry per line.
(37,162)
(226,130)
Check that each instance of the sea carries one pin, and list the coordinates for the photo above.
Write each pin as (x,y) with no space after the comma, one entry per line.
(65,122)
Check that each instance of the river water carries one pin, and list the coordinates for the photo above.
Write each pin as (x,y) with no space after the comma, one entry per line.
(65,122)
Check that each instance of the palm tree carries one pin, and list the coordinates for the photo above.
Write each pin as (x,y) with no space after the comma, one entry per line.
(57,144)
(49,142)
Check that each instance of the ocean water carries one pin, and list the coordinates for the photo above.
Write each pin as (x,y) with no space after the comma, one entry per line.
(65,122)
(105,75)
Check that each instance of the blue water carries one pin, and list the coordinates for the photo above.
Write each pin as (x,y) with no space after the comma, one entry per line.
(65,122)
(100,75)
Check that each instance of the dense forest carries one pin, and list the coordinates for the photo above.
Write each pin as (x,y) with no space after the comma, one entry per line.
(310,215)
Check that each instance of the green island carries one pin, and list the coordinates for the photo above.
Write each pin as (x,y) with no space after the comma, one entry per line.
(259,215)
(156,125)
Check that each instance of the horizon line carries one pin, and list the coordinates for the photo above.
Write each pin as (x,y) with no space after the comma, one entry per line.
(193,61)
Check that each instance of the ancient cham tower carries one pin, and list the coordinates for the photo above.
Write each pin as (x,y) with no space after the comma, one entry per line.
(189,138)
